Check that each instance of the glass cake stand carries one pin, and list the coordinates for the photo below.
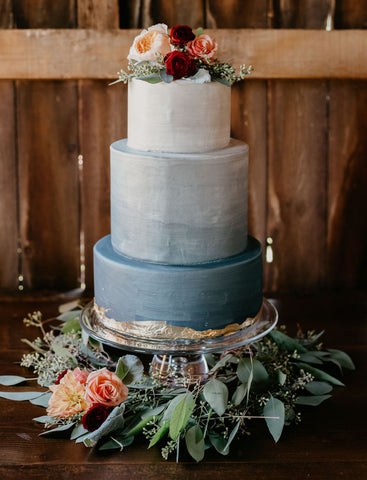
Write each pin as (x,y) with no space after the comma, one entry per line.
(176,359)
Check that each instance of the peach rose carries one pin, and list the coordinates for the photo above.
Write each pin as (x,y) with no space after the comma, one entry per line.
(149,43)
(106,388)
(68,397)
(203,47)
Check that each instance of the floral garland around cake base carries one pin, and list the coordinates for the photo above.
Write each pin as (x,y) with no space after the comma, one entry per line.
(108,403)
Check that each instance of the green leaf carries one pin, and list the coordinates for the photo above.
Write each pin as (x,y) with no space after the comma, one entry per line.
(50,433)
(218,442)
(195,444)
(159,434)
(319,374)
(130,369)
(318,388)
(313,400)
(72,325)
(227,84)
(222,362)
(114,422)
(11,380)
(20,396)
(116,442)
(181,415)
(138,427)
(343,358)
(310,358)
(154,412)
(69,315)
(171,406)
(63,353)
(274,408)
(152,78)
(286,343)
(44,419)
(232,435)
(165,77)
(246,365)
(199,31)
(282,377)
(42,400)
(78,431)
(239,394)
(216,394)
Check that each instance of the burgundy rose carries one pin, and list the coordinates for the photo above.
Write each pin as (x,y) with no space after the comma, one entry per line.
(181,34)
(94,417)
(62,374)
(179,65)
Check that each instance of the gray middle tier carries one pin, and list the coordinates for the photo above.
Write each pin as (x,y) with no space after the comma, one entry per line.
(179,209)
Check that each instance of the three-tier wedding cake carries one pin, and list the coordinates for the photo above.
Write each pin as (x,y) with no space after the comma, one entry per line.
(179,262)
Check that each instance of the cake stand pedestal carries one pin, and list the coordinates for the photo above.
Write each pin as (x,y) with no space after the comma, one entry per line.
(179,361)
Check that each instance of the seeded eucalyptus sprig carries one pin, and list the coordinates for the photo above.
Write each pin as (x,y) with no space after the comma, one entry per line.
(266,381)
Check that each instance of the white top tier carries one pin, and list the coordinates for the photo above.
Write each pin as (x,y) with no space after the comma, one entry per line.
(178,117)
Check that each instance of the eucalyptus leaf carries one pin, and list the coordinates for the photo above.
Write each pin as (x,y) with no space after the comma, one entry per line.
(20,396)
(116,442)
(81,438)
(282,377)
(63,353)
(216,394)
(318,388)
(224,82)
(69,315)
(239,394)
(247,365)
(78,431)
(286,343)
(44,419)
(222,362)
(165,77)
(154,412)
(131,369)
(232,435)
(319,374)
(342,357)
(42,400)
(114,422)
(310,358)
(72,325)
(11,380)
(152,78)
(195,444)
(160,434)
(171,406)
(181,415)
(218,442)
(137,427)
(199,31)
(274,408)
(312,400)
(57,430)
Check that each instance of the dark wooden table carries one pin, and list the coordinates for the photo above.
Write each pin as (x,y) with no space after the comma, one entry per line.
(330,443)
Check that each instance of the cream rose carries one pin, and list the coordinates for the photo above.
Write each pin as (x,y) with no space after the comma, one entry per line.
(149,43)
(203,47)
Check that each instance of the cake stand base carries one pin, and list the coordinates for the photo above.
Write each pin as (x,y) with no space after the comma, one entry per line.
(179,361)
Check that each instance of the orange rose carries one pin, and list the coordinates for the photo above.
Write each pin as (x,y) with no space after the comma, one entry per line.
(68,397)
(106,388)
(203,47)
(149,43)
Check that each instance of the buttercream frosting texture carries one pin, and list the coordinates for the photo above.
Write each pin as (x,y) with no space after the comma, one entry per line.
(179,208)
(179,117)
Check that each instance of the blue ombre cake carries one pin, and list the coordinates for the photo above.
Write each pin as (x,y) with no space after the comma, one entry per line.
(179,262)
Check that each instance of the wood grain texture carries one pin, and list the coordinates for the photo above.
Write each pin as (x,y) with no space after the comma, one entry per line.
(300,13)
(350,14)
(320,447)
(249,106)
(78,54)
(102,120)
(44,14)
(347,185)
(297,185)
(48,184)
(9,231)
(173,12)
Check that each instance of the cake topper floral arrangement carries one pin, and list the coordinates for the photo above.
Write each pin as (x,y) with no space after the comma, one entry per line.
(158,56)
(108,403)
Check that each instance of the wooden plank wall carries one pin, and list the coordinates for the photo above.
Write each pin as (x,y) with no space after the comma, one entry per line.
(308,175)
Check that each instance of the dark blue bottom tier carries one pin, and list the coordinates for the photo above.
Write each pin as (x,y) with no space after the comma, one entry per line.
(201,296)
